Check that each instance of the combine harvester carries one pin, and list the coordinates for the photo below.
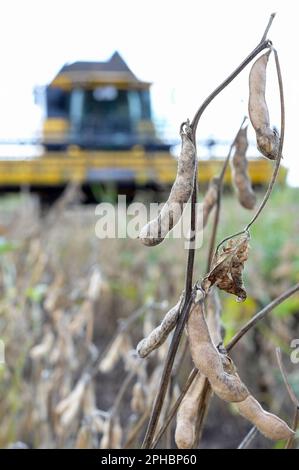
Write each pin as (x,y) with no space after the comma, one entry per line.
(98,131)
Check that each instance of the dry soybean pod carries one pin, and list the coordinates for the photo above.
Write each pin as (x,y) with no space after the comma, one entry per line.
(267,138)
(185,431)
(159,335)
(186,421)
(156,230)
(213,309)
(208,360)
(240,176)
(268,424)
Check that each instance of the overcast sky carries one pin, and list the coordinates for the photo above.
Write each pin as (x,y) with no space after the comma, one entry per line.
(186,48)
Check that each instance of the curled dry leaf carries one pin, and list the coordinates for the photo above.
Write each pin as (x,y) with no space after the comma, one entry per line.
(240,175)
(156,230)
(159,335)
(267,138)
(227,267)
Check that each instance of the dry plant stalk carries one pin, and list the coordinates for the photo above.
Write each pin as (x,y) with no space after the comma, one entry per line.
(112,435)
(227,267)
(216,368)
(156,230)
(267,138)
(117,350)
(138,401)
(209,200)
(241,180)
(84,438)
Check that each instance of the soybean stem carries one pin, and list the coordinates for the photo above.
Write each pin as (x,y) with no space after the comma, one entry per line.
(248,438)
(291,393)
(261,46)
(272,16)
(218,202)
(260,315)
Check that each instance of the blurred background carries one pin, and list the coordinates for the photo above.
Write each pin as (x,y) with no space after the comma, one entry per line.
(91,99)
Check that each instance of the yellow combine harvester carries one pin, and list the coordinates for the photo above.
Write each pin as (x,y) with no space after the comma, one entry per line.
(98,128)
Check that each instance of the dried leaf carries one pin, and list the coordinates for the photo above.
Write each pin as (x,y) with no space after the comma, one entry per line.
(227,267)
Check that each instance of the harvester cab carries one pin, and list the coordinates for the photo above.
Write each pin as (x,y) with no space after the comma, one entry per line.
(99,105)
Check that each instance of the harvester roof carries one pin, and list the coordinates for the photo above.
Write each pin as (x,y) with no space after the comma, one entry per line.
(113,72)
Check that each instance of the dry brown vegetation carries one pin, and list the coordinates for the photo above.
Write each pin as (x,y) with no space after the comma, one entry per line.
(65,294)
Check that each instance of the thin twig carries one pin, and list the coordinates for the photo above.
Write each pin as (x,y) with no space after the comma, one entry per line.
(203,407)
(264,37)
(260,315)
(136,429)
(291,393)
(218,202)
(214,228)
(264,45)
(117,403)
(166,374)
(291,440)
(248,438)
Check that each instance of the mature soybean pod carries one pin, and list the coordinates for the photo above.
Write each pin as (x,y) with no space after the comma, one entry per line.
(156,230)
(185,431)
(159,335)
(213,309)
(240,175)
(268,424)
(208,360)
(267,138)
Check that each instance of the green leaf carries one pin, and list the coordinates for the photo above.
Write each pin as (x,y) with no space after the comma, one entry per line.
(36,293)
(6,246)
